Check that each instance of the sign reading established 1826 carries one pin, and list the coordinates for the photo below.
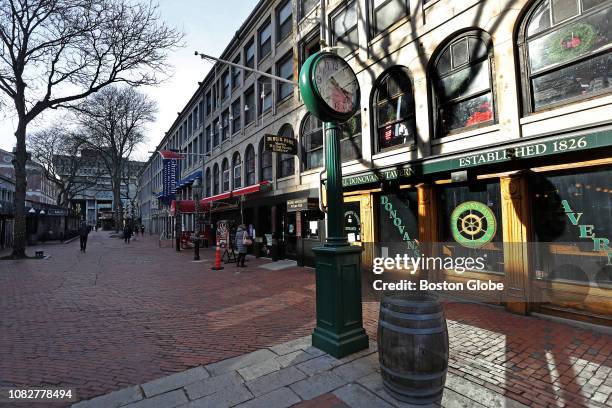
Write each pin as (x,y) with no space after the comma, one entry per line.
(280,144)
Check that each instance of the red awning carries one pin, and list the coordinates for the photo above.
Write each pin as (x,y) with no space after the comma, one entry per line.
(188,206)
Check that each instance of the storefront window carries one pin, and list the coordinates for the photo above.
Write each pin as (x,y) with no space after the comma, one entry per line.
(572,222)
(470,223)
(394,109)
(462,83)
(398,227)
(311,220)
(567,50)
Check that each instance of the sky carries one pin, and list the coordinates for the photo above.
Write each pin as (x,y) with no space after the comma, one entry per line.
(209,25)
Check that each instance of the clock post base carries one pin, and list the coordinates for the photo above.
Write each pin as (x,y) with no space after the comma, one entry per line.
(339,331)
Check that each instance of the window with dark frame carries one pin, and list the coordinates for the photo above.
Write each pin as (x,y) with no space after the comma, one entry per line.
(286,162)
(236,115)
(265,163)
(208,183)
(249,162)
(306,6)
(393,111)
(462,84)
(312,142)
(350,138)
(265,93)
(383,13)
(264,36)
(284,69)
(249,105)
(225,125)
(216,132)
(225,81)
(236,73)
(225,174)
(284,23)
(310,45)
(236,171)
(208,102)
(566,49)
(215,179)
(344,30)
(249,56)
(209,137)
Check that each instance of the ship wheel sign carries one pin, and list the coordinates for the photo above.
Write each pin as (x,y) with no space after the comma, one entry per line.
(473,224)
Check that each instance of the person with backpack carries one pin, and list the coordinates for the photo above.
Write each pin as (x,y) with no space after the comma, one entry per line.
(243,241)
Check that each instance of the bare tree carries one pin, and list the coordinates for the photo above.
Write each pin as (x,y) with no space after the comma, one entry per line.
(58,149)
(113,122)
(54,53)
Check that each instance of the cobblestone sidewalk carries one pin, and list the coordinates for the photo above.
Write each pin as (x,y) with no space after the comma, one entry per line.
(289,374)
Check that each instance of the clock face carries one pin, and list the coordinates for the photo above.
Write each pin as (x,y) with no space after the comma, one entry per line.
(337,84)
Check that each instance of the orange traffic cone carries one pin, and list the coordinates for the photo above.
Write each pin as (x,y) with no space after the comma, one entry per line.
(217,266)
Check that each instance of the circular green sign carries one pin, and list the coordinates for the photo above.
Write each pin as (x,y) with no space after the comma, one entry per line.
(329,87)
(473,224)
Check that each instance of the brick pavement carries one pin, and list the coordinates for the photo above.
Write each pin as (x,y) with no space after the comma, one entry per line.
(126,314)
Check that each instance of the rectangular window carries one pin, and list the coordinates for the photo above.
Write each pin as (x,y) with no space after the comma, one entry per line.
(236,73)
(214,96)
(216,132)
(249,105)
(226,180)
(226,86)
(306,7)
(236,116)
(265,40)
(310,46)
(208,102)
(344,30)
(237,176)
(284,69)
(195,118)
(201,112)
(209,136)
(265,94)
(249,56)
(189,125)
(284,23)
(383,13)
(225,125)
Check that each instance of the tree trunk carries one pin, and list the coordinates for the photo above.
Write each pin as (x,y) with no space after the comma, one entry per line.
(117,204)
(19,163)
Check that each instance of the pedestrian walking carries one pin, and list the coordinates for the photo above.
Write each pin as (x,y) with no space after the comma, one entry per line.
(243,241)
(127,233)
(84,230)
(142,230)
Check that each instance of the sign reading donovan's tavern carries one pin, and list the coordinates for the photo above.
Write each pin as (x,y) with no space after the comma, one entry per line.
(280,144)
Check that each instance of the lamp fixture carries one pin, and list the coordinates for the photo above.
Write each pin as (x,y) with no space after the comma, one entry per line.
(246,108)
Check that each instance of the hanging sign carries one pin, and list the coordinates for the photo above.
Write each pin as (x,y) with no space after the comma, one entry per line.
(280,144)
(170,172)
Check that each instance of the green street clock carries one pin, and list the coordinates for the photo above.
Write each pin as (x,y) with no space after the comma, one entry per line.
(329,87)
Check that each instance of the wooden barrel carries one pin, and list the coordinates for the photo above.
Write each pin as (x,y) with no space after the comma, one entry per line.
(413,347)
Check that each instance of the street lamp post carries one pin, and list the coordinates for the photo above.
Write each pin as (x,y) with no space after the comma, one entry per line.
(196,188)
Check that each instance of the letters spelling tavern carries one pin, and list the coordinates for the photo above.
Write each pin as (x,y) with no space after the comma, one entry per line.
(482,132)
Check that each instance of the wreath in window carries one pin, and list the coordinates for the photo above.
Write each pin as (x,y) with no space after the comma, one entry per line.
(572,42)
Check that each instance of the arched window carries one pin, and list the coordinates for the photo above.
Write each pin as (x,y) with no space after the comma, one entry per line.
(265,163)
(350,138)
(394,109)
(237,170)
(208,183)
(249,161)
(312,142)
(462,84)
(215,179)
(565,47)
(286,162)
(225,174)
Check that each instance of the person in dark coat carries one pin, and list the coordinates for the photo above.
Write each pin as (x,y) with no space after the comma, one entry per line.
(84,230)
(242,244)
(127,233)
(142,230)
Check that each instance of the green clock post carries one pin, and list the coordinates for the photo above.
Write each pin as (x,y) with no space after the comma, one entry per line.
(330,91)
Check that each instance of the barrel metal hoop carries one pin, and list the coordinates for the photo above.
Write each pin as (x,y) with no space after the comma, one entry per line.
(413,376)
(399,329)
(404,316)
